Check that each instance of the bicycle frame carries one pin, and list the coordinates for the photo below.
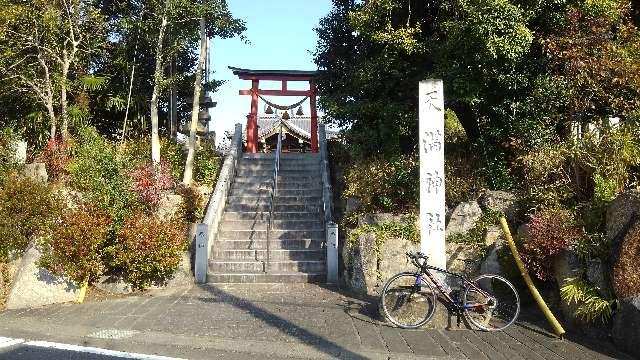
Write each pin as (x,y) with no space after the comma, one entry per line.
(458,305)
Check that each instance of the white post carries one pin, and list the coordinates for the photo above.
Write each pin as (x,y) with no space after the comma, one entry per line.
(20,148)
(202,255)
(332,253)
(432,206)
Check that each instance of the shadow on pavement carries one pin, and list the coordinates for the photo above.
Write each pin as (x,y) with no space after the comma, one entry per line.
(533,320)
(367,308)
(305,336)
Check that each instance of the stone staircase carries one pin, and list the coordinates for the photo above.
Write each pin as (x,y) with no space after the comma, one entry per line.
(297,245)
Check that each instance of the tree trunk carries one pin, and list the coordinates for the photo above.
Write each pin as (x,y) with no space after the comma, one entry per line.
(157,78)
(126,113)
(173,108)
(46,96)
(64,115)
(468,120)
(52,117)
(197,90)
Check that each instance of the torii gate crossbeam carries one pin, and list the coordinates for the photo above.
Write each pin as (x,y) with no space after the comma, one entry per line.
(283,76)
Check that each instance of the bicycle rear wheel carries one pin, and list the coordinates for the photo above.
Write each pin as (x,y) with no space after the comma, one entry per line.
(407,301)
(491,302)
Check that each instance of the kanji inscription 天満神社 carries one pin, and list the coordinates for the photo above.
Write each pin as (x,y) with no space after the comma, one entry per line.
(432,190)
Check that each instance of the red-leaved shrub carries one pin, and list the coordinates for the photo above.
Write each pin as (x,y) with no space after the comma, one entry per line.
(28,210)
(75,247)
(148,249)
(549,233)
(56,156)
(149,181)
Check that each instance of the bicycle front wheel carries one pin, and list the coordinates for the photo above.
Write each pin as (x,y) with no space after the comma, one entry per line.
(407,301)
(491,302)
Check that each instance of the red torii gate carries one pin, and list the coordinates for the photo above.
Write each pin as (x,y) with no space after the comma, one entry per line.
(283,76)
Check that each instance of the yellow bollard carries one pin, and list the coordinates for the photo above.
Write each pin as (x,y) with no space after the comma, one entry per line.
(83,292)
(527,279)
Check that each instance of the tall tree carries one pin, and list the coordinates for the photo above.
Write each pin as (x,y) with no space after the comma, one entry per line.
(221,23)
(46,50)
(197,91)
(157,80)
(503,62)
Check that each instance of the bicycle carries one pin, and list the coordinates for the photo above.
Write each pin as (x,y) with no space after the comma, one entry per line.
(489,302)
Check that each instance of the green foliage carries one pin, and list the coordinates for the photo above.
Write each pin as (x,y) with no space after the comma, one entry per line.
(592,246)
(75,247)
(99,171)
(609,153)
(28,209)
(517,74)
(597,54)
(35,33)
(454,132)
(192,207)
(547,182)
(207,165)
(172,153)
(148,249)
(594,168)
(497,172)
(8,164)
(463,177)
(604,192)
(592,306)
(384,185)
(476,234)
(137,151)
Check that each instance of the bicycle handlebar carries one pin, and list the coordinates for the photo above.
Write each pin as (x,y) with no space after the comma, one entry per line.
(416,259)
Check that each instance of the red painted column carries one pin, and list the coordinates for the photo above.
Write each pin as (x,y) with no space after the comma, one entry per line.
(314,117)
(252,120)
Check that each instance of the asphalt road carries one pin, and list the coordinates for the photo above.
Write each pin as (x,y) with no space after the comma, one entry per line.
(297,321)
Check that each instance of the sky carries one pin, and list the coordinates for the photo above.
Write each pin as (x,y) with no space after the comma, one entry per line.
(281,36)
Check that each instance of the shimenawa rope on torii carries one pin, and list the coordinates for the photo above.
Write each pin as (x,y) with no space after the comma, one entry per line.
(281,107)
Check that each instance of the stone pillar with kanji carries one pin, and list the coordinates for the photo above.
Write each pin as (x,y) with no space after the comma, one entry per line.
(432,190)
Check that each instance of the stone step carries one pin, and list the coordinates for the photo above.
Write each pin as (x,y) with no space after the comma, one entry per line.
(275,254)
(302,156)
(284,183)
(281,200)
(264,215)
(266,278)
(282,244)
(277,207)
(261,234)
(275,225)
(283,162)
(265,191)
(283,266)
(282,173)
(284,166)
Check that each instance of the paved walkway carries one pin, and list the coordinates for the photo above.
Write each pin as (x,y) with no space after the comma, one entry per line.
(274,322)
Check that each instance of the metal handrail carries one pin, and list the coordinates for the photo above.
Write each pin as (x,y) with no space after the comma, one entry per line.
(327,200)
(331,228)
(272,195)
